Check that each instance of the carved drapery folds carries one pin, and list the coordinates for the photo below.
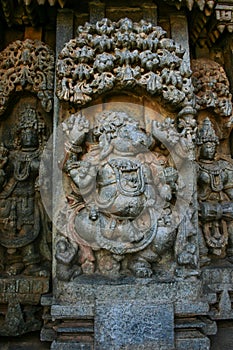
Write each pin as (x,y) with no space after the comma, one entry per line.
(109,56)
(27,66)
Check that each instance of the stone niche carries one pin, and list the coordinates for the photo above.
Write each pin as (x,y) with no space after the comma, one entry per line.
(126,258)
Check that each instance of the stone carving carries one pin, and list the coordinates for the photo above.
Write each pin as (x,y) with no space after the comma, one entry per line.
(182,147)
(27,65)
(119,215)
(211,87)
(215,193)
(24,230)
(110,56)
(220,281)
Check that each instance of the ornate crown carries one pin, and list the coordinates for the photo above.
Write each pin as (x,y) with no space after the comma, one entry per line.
(28,119)
(206,133)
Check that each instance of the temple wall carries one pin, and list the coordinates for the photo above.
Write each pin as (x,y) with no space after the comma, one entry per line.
(116,175)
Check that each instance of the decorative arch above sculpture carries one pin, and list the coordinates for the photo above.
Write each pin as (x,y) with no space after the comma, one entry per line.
(115,56)
(211,87)
(27,66)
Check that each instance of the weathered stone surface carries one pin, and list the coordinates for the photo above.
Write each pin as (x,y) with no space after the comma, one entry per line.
(133,324)
(145,289)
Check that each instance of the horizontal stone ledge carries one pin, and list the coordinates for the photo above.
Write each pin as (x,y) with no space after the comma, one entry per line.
(191,308)
(194,340)
(56,345)
(87,309)
(73,292)
(73,312)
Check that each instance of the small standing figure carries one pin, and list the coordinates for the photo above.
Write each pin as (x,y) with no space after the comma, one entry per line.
(215,194)
(23,222)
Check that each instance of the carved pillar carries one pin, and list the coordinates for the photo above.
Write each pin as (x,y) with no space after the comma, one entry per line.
(228,59)
(150,13)
(179,33)
(97,11)
(64,32)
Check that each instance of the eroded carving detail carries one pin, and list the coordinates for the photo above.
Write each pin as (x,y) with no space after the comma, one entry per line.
(110,55)
(27,65)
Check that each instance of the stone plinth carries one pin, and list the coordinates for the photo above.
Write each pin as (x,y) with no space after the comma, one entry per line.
(135,314)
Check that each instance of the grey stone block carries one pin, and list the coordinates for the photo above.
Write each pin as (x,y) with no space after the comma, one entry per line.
(134,324)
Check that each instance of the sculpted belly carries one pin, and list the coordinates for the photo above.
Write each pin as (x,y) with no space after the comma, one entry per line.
(121,191)
(120,205)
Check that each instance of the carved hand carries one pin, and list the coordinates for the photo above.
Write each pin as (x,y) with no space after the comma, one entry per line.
(76,128)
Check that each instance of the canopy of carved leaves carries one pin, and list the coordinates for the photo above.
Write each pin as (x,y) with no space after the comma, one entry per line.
(108,56)
(27,66)
(211,87)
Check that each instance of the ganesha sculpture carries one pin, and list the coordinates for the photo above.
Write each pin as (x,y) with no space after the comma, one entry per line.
(119,198)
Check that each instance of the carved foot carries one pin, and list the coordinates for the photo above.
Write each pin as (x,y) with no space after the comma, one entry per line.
(14,269)
(141,269)
(36,271)
(76,271)
(88,267)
